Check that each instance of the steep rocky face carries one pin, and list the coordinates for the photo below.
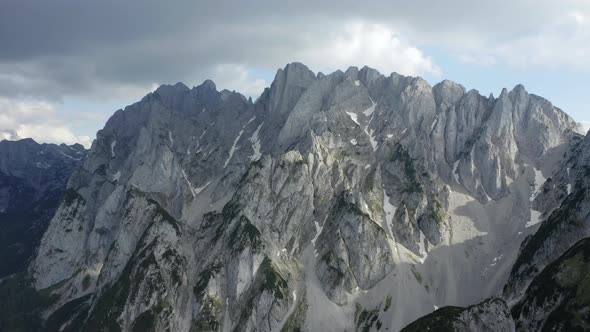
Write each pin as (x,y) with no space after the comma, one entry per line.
(329,196)
(565,200)
(558,299)
(33,180)
(490,315)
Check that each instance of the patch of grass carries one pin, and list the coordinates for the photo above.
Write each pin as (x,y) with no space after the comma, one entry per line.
(208,317)
(273,281)
(400,154)
(204,277)
(245,234)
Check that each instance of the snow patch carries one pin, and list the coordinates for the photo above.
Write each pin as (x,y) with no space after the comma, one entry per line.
(434,123)
(190,186)
(255,140)
(113,143)
(353,117)
(369,111)
(194,191)
(357,83)
(539,181)
(318,230)
(535,219)
(372,139)
(233,148)
(117,176)
(200,189)
(203,134)
(422,248)
(353,141)
(68,156)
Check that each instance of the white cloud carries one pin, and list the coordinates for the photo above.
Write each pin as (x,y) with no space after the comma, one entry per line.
(375,45)
(559,40)
(37,120)
(238,77)
(344,44)
(8,135)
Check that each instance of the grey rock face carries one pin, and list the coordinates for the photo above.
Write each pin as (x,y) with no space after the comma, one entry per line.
(33,180)
(223,214)
(354,251)
(565,200)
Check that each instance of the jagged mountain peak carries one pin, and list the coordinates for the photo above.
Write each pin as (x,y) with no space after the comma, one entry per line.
(345,191)
(207,85)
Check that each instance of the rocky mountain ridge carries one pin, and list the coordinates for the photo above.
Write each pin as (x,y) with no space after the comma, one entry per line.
(332,197)
(33,180)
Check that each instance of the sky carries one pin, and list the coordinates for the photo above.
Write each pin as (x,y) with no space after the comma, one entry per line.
(66,66)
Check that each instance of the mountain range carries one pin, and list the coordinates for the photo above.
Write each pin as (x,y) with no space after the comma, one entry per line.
(350,201)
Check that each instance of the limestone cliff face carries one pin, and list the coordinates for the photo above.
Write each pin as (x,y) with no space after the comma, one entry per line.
(565,201)
(200,210)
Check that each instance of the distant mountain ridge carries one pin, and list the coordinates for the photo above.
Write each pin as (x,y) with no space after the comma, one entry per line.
(33,179)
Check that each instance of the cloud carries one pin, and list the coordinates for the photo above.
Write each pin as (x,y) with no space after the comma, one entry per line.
(79,55)
(585,126)
(111,50)
(377,45)
(47,133)
(563,42)
(37,120)
(238,78)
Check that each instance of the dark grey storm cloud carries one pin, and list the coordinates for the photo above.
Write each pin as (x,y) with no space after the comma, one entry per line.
(54,48)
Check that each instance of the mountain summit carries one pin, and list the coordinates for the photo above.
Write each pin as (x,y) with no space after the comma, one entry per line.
(334,202)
